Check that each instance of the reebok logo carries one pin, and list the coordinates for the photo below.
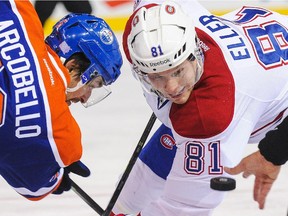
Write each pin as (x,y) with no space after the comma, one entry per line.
(155,64)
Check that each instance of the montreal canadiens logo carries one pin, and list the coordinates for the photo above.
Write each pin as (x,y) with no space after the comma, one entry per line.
(106,36)
(170,9)
(167,141)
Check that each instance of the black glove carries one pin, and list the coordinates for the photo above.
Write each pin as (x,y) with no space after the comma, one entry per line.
(78,168)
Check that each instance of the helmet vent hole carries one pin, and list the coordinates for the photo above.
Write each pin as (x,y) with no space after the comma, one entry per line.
(179,53)
(73,25)
(142,63)
(184,47)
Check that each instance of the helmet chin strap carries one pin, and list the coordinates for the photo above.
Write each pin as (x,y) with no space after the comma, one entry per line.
(73,89)
(200,61)
(199,71)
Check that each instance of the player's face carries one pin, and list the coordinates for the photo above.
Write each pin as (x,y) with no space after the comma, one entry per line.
(175,84)
(76,91)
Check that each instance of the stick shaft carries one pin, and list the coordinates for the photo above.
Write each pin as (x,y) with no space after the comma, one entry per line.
(81,193)
(84,196)
(130,165)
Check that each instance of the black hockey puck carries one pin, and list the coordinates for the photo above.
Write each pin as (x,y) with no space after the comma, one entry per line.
(222,183)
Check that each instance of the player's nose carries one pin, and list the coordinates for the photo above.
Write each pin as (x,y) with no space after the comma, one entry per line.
(171,86)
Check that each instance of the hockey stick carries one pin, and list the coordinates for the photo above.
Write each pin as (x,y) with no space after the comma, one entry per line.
(123,179)
(86,198)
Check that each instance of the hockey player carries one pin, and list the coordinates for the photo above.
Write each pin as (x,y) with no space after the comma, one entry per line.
(217,82)
(40,139)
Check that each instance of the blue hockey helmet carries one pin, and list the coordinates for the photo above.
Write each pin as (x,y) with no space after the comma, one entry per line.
(92,36)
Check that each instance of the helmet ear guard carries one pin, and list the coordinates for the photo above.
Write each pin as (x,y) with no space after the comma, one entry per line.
(102,63)
(161,37)
(90,35)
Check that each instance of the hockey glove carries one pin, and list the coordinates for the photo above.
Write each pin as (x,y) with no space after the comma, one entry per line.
(78,168)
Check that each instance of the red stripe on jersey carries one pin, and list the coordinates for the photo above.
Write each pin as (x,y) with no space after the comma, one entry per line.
(210,107)
(278,117)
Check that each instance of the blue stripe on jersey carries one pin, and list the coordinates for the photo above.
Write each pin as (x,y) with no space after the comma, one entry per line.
(156,155)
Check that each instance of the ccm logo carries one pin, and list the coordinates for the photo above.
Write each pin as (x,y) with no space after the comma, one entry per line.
(167,141)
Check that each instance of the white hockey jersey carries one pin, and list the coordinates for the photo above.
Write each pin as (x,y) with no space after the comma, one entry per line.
(242,94)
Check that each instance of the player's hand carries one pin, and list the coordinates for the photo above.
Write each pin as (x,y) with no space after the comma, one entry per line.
(78,168)
(264,171)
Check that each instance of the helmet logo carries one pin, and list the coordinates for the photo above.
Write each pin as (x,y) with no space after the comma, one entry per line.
(64,47)
(170,9)
(106,36)
(135,20)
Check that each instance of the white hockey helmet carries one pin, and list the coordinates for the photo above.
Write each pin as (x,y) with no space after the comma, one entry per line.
(161,38)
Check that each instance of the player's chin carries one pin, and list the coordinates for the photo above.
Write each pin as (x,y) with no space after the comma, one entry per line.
(72,100)
(68,102)
(181,99)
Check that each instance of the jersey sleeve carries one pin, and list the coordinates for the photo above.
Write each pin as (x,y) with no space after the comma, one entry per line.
(274,145)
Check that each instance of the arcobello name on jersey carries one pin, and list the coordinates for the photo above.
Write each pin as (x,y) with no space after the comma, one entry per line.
(13,53)
(234,42)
